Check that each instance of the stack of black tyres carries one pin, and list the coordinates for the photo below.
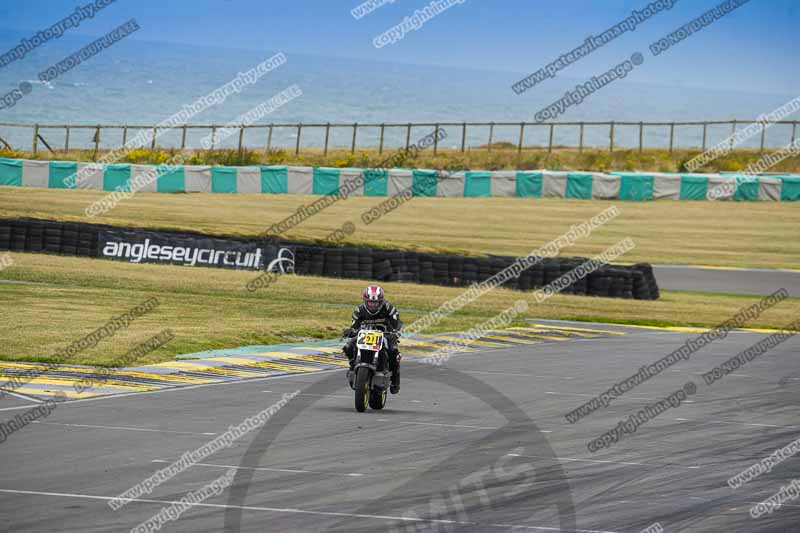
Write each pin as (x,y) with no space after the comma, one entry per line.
(647,288)
(598,283)
(410,271)
(333,263)
(318,262)
(621,283)
(35,236)
(365,263)
(551,271)
(580,285)
(351,266)
(18,237)
(381,265)
(87,241)
(537,276)
(637,281)
(52,238)
(455,270)
(427,274)
(5,236)
(471,269)
(441,273)
(301,263)
(69,239)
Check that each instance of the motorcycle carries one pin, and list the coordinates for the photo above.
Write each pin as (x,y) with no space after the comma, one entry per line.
(370,377)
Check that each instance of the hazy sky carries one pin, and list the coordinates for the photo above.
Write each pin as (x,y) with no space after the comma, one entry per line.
(754,48)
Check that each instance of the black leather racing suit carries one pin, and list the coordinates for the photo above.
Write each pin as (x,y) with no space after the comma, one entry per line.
(386,316)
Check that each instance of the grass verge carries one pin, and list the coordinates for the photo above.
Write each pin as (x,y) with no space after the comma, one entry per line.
(740,234)
(209,308)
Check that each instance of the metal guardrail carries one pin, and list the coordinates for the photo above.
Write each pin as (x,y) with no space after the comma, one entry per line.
(37,136)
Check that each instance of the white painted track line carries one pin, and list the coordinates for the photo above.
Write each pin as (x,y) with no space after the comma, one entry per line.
(120,428)
(269,469)
(603,461)
(300,511)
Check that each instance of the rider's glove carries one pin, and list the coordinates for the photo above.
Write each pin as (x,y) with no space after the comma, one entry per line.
(348,332)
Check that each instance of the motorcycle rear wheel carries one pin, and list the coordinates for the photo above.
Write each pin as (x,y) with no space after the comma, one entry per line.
(377,399)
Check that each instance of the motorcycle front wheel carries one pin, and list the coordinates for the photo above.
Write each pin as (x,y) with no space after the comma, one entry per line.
(362,389)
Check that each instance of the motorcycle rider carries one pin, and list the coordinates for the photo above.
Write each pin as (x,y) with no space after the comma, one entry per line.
(376,311)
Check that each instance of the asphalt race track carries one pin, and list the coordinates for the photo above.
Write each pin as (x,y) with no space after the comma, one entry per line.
(724,280)
(480,444)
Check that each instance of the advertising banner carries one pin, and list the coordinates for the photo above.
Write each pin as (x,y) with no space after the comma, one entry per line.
(142,246)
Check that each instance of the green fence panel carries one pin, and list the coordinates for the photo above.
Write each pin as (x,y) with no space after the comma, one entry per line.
(636,187)
(424,182)
(117,177)
(694,188)
(376,182)
(60,171)
(579,186)
(10,172)
(170,178)
(326,181)
(275,180)
(223,179)
(746,189)
(529,184)
(477,184)
(790,189)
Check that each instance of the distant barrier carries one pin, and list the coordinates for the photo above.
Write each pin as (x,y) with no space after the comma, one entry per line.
(634,186)
(572,134)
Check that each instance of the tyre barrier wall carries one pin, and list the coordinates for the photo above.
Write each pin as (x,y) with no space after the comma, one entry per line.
(79,239)
(635,186)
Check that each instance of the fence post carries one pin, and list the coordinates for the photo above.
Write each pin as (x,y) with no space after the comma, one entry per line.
(297,144)
(550,141)
(124,135)
(521,139)
(763,133)
(213,136)
(794,130)
(183,137)
(241,139)
(153,142)
(580,142)
(463,137)
(408,137)
(380,148)
(641,135)
(35,139)
(353,145)
(671,136)
(435,139)
(269,137)
(611,138)
(733,132)
(327,134)
(66,141)
(96,139)
(491,134)
(705,132)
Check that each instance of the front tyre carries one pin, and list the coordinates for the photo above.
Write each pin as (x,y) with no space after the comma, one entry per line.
(377,399)
(362,389)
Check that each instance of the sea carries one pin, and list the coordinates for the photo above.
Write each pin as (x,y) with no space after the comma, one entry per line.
(143,83)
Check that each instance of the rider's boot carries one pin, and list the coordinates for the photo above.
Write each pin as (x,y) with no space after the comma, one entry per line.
(350,376)
(395,386)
